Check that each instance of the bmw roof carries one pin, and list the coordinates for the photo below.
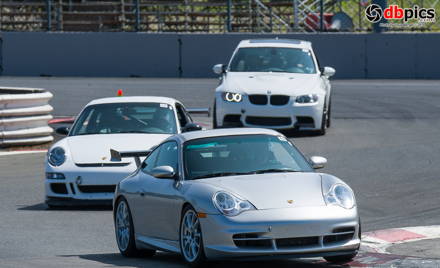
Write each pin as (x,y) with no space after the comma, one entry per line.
(276,43)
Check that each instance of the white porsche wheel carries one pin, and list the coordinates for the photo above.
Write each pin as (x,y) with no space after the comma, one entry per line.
(191,244)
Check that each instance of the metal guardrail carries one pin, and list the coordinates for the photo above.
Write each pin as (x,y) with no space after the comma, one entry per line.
(24,116)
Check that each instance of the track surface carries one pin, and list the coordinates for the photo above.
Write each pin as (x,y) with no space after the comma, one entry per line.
(384,142)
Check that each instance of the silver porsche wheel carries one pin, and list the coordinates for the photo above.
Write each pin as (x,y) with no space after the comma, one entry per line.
(122,226)
(191,237)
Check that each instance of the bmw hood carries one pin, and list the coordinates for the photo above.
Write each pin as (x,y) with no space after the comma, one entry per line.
(291,84)
(274,190)
(89,149)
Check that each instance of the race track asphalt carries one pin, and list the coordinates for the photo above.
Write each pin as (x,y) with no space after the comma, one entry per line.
(384,142)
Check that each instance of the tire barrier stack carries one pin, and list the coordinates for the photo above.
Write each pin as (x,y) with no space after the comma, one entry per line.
(24,116)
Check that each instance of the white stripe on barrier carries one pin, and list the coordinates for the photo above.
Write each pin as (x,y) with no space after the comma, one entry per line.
(24,116)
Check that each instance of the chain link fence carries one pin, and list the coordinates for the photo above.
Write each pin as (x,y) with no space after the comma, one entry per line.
(207,16)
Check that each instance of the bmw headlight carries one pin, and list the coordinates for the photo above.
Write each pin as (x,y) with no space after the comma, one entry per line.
(232,97)
(340,195)
(309,98)
(56,156)
(230,205)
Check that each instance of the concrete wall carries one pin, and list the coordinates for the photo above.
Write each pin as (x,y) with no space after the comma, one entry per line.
(192,55)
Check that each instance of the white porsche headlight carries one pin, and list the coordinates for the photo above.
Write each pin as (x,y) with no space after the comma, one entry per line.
(232,97)
(309,98)
(230,205)
(340,195)
(56,156)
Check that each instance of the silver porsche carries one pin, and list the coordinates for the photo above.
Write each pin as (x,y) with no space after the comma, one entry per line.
(230,193)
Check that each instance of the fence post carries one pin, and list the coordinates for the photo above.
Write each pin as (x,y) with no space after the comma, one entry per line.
(229,16)
(49,14)
(376,26)
(138,16)
(295,14)
(321,16)
(59,15)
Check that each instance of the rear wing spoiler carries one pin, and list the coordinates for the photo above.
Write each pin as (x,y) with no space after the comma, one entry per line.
(206,111)
(117,156)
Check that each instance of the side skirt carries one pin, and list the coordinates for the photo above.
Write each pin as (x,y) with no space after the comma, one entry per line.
(156,243)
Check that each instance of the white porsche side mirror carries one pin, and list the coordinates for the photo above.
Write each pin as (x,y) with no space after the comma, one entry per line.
(219,68)
(318,161)
(328,71)
(163,172)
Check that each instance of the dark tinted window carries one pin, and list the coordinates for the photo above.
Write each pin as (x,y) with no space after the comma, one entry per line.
(242,154)
(168,155)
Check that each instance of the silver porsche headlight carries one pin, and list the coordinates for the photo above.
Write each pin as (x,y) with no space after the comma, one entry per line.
(309,98)
(230,205)
(56,156)
(232,97)
(340,195)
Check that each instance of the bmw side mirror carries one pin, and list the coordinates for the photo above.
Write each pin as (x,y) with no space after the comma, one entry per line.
(163,172)
(62,131)
(219,68)
(328,71)
(318,162)
(191,127)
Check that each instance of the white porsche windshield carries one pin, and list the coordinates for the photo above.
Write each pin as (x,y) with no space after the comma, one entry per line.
(273,59)
(114,118)
(241,154)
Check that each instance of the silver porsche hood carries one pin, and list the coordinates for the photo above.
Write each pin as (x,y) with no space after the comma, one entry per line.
(274,190)
(278,83)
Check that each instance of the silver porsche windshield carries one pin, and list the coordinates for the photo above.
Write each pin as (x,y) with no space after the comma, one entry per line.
(114,118)
(273,59)
(240,155)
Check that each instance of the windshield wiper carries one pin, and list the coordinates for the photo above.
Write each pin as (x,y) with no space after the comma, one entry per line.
(219,174)
(274,170)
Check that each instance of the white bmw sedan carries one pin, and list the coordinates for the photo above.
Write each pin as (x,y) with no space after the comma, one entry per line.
(275,84)
(80,169)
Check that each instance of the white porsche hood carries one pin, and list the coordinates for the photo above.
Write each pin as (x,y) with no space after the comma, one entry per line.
(274,190)
(291,84)
(96,148)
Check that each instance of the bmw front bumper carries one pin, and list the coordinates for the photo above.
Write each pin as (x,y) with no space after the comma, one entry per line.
(290,115)
(300,232)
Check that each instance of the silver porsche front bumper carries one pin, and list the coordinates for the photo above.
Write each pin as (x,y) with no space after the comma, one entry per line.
(302,232)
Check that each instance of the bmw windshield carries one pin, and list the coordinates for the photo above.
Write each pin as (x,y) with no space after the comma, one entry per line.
(240,155)
(114,118)
(273,59)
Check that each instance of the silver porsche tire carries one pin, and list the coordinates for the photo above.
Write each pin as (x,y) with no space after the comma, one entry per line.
(191,242)
(125,232)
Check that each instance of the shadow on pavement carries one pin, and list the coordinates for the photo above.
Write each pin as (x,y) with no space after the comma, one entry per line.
(174,260)
(43,207)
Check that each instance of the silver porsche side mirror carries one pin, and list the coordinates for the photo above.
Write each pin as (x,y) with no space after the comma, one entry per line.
(218,68)
(163,172)
(318,161)
(328,71)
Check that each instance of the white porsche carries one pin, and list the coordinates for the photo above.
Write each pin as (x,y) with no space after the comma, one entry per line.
(81,169)
(275,84)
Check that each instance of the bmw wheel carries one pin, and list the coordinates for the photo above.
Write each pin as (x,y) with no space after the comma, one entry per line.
(191,244)
(214,117)
(341,258)
(125,232)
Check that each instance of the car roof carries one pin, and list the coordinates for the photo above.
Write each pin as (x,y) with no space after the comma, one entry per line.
(153,99)
(294,43)
(193,135)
